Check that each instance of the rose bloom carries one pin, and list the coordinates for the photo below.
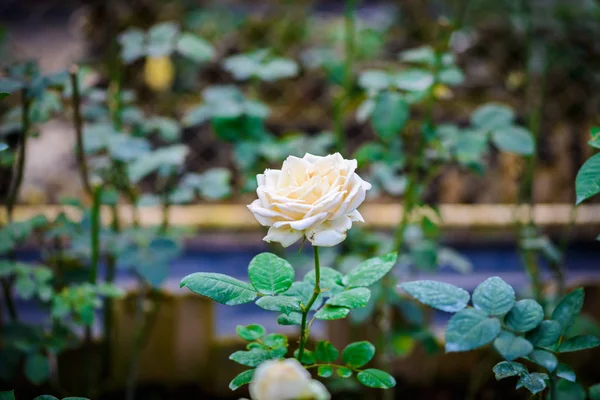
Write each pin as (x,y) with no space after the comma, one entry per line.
(285,380)
(312,196)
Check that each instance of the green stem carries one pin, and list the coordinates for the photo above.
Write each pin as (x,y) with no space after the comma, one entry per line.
(108,302)
(78,125)
(95,235)
(306,310)
(553,386)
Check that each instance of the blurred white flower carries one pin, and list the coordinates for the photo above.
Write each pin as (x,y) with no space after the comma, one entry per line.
(312,196)
(285,380)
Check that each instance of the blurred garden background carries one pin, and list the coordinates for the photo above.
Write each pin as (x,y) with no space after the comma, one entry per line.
(131,134)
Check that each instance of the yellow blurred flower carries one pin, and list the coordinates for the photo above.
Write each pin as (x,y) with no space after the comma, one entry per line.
(159,73)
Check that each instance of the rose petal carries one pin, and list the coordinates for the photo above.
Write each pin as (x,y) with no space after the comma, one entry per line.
(285,236)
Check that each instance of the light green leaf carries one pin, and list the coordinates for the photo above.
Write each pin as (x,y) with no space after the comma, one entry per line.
(374,80)
(330,278)
(270,274)
(514,139)
(325,371)
(452,76)
(132,44)
(390,115)
(507,369)
(171,156)
(294,318)
(162,38)
(512,347)
(568,309)
(37,368)
(241,379)
(357,354)
(251,358)
(534,382)
(376,378)
(195,48)
(546,334)
(282,304)
(326,352)
(45,397)
(370,271)
(353,298)
(420,55)
(587,182)
(414,80)
(330,313)
(440,295)
(577,343)
(344,372)
(566,372)
(492,116)
(544,359)
(469,329)
(308,357)
(221,288)
(494,296)
(250,332)
(197,115)
(525,316)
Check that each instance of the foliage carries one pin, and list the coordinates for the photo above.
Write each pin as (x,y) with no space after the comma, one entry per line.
(517,329)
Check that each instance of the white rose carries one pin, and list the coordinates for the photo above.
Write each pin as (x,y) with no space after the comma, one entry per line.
(285,380)
(312,196)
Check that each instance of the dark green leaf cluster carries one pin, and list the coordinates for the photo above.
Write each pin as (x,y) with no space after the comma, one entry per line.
(587,182)
(517,329)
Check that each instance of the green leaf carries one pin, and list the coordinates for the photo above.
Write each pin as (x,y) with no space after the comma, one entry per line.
(330,278)
(251,358)
(344,372)
(170,156)
(241,379)
(221,288)
(162,38)
(326,352)
(534,382)
(492,116)
(566,372)
(132,44)
(270,274)
(506,369)
(568,309)
(250,332)
(390,115)
(376,378)
(370,271)
(195,48)
(352,298)
(512,347)
(275,340)
(331,312)
(357,354)
(514,139)
(595,392)
(525,316)
(440,295)
(568,390)
(374,80)
(37,368)
(544,359)
(577,343)
(546,334)
(294,318)
(587,182)
(325,371)
(308,357)
(452,76)
(414,80)
(421,55)
(8,395)
(595,140)
(494,296)
(469,329)
(282,304)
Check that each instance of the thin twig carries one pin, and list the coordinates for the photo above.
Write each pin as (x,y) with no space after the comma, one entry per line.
(306,309)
